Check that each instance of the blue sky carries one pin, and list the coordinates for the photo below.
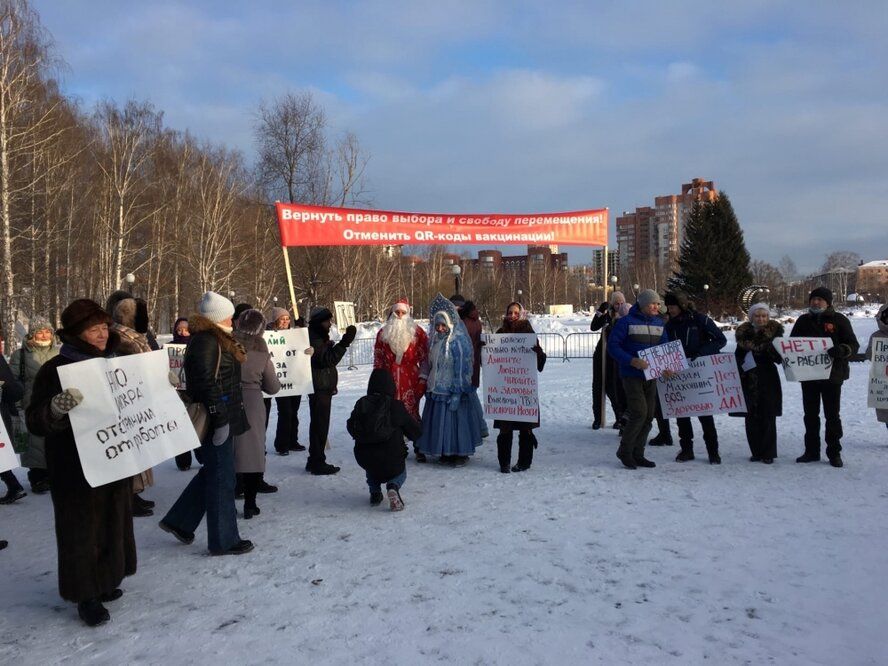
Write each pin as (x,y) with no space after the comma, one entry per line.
(497,106)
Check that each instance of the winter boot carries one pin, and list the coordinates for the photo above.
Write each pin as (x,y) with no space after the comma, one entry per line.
(324,469)
(141,508)
(241,547)
(266,488)
(836,460)
(809,456)
(13,495)
(644,462)
(686,453)
(93,613)
(113,595)
(712,450)
(297,447)
(394,497)
(627,460)
(376,498)
(661,440)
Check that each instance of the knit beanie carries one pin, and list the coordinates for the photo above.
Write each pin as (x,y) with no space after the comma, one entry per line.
(646,297)
(277,313)
(39,324)
(822,292)
(319,314)
(215,307)
(613,297)
(759,306)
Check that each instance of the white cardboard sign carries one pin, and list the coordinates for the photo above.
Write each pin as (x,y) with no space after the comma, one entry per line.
(878,384)
(292,364)
(177,360)
(668,356)
(805,359)
(130,419)
(8,457)
(709,386)
(511,390)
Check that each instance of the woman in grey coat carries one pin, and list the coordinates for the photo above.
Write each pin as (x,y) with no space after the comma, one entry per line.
(257,376)
(38,348)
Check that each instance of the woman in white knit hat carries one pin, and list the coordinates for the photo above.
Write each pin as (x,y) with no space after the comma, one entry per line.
(212,368)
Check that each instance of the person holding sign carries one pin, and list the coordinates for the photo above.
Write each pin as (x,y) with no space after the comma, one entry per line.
(326,379)
(94,526)
(641,329)
(257,376)
(879,340)
(11,391)
(213,377)
(757,360)
(402,348)
(699,336)
(515,321)
(286,435)
(451,423)
(603,320)
(822,321)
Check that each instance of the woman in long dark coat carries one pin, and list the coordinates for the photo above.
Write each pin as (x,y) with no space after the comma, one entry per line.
(515,321)
(761,381)
(94,526)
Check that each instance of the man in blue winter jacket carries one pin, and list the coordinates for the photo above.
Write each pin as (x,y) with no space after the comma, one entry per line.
(640,329)
(699,336)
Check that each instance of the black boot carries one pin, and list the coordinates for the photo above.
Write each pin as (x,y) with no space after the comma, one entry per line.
(661,440)
(686,453)
(712,450)
(627,460)
(809,456)
(93,613)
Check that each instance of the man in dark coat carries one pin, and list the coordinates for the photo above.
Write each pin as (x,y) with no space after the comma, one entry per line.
(699,336)
(94,526)
(379,423)
(822,321)
(12,391)
(325,379)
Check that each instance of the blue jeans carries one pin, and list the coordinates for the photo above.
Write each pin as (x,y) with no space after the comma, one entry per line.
(210,492)
(375,485)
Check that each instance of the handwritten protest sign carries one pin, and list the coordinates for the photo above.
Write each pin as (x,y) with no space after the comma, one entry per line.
(345,314)
(710,385)
(511,391)
(130,419)
(878,385)
(177,360)
(292,364)
(8,458)
(669,356)
(805,359)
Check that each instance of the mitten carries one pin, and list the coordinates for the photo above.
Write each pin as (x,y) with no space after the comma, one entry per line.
(64,402)
(349,336)
(220,434)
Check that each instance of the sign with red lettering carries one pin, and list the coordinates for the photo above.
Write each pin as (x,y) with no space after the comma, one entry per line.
(319,225)
(511,391)
(878,386)
(710,385)
(669,356)
(805,359)
(8,458)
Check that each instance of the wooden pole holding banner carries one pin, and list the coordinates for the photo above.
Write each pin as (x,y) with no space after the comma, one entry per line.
(604,348)
(290,282)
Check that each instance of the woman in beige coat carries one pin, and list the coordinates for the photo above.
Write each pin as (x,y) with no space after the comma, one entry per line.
(257,376)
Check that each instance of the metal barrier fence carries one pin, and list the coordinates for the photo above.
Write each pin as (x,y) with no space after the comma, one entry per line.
(574,345)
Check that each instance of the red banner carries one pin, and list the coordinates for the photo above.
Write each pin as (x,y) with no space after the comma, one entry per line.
(318,225)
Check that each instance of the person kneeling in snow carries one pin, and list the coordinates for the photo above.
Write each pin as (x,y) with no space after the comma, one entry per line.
(379,424)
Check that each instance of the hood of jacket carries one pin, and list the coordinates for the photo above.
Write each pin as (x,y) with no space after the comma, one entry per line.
(381,382)
(200,324)
(882,319)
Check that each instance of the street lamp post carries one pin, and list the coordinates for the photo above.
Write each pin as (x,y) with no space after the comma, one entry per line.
(635,290)
(130,280)
(706,297)
(614,279)
(456,269)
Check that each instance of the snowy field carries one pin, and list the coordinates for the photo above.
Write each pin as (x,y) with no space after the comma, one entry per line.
(577,561)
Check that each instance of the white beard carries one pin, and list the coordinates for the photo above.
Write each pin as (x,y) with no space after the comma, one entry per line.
(399,334)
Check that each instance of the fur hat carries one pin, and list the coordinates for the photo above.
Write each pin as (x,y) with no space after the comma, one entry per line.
(251,322)
(646,297)
(215,307)
(678,298)
(821,292)
(115,298)
(39,324)
(319,314)
(458,300)
(241,308)
(613,297)
(81,315)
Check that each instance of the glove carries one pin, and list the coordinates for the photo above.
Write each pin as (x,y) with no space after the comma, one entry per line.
(833,352)
(603,307)
(309,351)
(349,336)
(839,351)
(174,379)
(453,403)
(220,434)
(64,402)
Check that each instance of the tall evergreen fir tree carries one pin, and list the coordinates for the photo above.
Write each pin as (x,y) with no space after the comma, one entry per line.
(713,252)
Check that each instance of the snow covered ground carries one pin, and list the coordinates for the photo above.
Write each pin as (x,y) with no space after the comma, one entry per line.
(576,561)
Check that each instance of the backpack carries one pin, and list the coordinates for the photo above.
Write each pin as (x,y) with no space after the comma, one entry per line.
(371,420)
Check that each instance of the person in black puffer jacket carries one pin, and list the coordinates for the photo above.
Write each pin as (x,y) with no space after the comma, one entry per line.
(821,321)
(699,336)
(213,377)
(379,424)
(325,379)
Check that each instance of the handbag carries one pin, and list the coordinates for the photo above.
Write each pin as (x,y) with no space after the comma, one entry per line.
(197,411)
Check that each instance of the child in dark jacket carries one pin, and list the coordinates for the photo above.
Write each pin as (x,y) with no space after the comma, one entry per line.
(378,424)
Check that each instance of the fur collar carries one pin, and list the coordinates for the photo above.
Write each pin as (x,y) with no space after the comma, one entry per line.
(518,326)
(77,349)
(749,337)
(199,324)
